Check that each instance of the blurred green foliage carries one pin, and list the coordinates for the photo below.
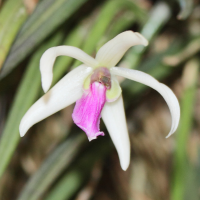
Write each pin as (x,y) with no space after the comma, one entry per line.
(173,47)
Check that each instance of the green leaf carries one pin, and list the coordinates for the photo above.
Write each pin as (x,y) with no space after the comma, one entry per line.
(109,10)
(120,24)
(26,95)
(190,48)
(75,177)
(53,166)
(159,16)
(48,15)
(186,8)
(12,16)
(181,165)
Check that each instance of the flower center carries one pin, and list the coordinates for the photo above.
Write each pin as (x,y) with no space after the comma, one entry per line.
(102,75)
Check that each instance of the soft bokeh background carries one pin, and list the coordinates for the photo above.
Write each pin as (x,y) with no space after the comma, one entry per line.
(55,161)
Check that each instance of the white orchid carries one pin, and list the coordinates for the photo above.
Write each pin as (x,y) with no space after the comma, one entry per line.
(96,91)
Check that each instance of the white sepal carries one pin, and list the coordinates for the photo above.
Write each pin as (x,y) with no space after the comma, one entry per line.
(165,91)
(65,92)
(48,58)
(114,118)
(174,108)
(111,52)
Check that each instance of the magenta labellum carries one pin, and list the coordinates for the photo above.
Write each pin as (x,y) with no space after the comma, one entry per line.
(87,111)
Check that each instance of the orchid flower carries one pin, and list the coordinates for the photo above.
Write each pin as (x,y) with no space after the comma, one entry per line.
(96,91)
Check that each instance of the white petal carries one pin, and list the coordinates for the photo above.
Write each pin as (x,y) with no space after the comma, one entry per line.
(48,58)
(165,91)
(174,108)
(111,52)
(64,93)
(114,118)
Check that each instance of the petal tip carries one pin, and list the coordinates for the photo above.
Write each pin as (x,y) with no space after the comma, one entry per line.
(21,134)
(171,132)
(46,82)
(143,39)
(168,135)
(135,36)
(125,165)
(21,131)
(45,88)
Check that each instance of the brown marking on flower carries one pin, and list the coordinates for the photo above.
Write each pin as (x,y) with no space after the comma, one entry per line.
(102,75)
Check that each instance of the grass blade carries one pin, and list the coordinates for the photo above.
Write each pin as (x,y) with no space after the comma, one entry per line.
(191,48)
(26,95)
(48,15)
(186,121)
(159,16)
(51,168)
(12,16)
(186,9)
(109,10)
(78,173)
